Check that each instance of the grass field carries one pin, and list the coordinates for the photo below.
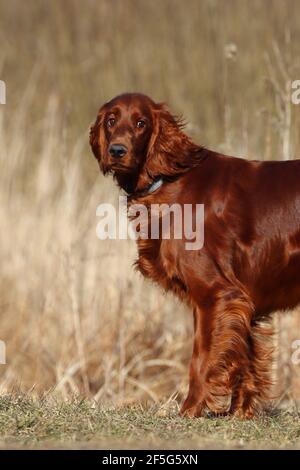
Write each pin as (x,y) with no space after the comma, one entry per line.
(25,422)
(76,319)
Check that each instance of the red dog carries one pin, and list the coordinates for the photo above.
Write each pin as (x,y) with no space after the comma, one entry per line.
(249,265)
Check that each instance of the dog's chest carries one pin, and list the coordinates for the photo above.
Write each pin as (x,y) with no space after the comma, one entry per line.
(158,261)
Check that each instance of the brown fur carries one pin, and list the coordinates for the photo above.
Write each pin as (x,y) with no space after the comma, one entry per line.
(249,265)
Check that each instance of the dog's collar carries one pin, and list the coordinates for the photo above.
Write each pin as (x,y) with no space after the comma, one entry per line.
(154,186)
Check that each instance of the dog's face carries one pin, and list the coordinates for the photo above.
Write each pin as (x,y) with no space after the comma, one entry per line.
(121,135)
(138,140)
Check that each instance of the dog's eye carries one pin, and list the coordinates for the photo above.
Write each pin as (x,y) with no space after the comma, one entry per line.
(111,122)
(140,123)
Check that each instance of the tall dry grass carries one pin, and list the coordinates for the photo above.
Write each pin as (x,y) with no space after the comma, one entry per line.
(74,315)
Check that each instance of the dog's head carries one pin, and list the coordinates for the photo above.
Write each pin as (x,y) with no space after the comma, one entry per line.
(134,138)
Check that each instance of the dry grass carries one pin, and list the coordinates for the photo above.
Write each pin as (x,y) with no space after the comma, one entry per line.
(75,317)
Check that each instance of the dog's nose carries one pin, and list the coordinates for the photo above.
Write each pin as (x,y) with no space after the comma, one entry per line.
(117,150)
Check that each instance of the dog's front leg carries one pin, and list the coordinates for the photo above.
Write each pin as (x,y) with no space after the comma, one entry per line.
(192,405)
(221,352)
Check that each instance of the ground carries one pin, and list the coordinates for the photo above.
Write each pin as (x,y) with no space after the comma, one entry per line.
(50,423)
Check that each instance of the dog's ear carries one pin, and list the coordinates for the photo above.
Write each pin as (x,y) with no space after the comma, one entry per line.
(97,136)
(164,127)
(165,142)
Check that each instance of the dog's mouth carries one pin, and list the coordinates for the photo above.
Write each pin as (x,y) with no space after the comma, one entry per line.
(124,171)
(116,167)
(120,169)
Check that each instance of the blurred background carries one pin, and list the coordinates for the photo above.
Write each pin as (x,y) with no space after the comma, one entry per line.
(75,317)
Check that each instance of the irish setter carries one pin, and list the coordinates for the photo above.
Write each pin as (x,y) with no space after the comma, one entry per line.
(249,265)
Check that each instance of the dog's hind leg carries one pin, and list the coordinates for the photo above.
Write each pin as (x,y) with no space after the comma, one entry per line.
(253,390)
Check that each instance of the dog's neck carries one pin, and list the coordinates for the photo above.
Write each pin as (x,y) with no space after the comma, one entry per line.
(129,186)
(154,186)
(145,182)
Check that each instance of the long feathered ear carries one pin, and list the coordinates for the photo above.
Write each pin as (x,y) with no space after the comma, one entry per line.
(97,137)
(165,127)
(169,149)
